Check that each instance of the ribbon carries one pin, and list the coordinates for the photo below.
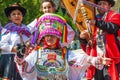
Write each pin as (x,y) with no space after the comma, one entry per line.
(12,28)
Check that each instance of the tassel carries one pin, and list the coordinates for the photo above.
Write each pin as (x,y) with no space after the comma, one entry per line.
(65,33)
(34,39)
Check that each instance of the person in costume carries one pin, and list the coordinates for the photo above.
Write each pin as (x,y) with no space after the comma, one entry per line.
(52,60)
(46,6)
(14,33)
(105,41)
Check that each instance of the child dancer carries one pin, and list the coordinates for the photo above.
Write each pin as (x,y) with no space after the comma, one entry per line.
(52,60)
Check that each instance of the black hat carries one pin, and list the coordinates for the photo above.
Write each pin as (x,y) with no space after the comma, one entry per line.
(112,2)
(14,6)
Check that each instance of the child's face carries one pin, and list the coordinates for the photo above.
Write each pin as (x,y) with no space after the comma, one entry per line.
(16,17)
(50,39)
(47,7)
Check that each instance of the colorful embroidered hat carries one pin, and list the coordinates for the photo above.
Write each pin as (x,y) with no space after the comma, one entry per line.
(53,24)
(14,6)
(112,2)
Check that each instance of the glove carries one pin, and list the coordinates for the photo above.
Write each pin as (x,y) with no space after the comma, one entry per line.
(21,50)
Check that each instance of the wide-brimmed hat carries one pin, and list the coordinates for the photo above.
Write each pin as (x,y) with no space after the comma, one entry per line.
(53,24)
(112,2)
(14,6)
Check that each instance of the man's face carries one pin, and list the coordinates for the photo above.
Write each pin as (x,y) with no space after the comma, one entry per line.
(105,5)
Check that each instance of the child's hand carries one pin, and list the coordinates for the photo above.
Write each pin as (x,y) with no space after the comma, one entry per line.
(99,62)
(106,61)
(84,34)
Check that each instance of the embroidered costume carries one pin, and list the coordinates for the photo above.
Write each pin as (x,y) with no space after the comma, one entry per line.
(58,63)
(10,37)
(110,26)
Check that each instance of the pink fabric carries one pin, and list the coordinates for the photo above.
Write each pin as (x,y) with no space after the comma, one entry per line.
(50,31)
(53,24)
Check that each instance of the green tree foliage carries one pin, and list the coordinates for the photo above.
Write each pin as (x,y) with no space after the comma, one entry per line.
(33,10)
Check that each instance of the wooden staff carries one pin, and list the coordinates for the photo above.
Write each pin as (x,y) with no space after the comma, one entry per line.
(75,11)
(85,17)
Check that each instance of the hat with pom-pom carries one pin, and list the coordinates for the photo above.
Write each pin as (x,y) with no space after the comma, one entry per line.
(53,24)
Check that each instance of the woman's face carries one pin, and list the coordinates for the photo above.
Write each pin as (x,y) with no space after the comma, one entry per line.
(47,7)
(50,39)
(16,17)
(105,5)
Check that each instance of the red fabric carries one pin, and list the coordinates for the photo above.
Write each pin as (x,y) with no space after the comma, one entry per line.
(113,71)
(113,17)
(91,69)
(111,48)
(90,72)
(86,50)
(90,50)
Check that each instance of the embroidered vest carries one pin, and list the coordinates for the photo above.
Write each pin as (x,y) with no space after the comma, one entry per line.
(51,62)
